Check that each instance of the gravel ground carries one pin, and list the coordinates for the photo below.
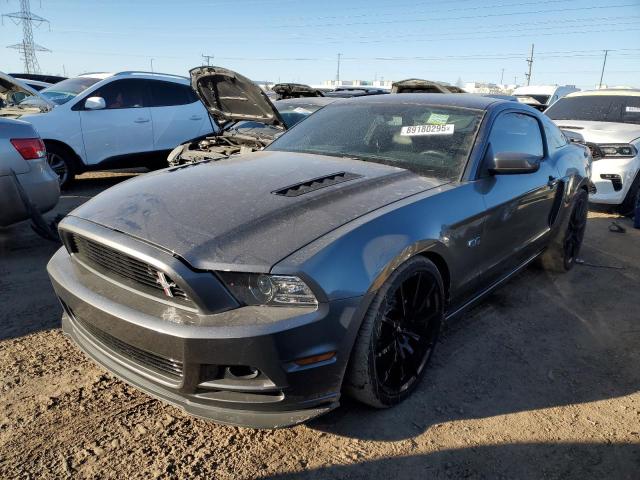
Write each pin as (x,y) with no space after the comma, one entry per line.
(540,381)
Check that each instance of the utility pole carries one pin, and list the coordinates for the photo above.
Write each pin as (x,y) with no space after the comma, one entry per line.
(530,62)
(152,64)
(501,76)
(603,64)
(207,58)
(338,71)
(27,47)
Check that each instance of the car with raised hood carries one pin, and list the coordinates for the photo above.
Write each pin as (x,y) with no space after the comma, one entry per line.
(325,263)
(27,183)
(246,119)
(608,120)
(99,121)
(417,85)
(541,97)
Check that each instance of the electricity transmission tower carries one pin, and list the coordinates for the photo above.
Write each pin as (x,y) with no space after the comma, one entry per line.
(27,47)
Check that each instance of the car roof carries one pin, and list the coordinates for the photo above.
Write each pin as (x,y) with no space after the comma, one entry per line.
(626,92)
(445,99)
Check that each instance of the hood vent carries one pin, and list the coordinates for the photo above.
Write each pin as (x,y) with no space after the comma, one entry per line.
(315,184)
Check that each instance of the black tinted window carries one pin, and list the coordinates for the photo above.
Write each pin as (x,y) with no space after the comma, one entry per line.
(598,108)
(123,94)
(166,94)
(516,132)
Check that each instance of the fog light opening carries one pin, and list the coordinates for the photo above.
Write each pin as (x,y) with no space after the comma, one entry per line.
(323,357)
(239,371)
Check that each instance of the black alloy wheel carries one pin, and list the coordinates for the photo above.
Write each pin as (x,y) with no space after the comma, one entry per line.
(575,230)
(398,335)
(405,336)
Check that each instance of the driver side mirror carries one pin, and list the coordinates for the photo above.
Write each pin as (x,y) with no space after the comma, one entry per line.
(511,163)
(95,103)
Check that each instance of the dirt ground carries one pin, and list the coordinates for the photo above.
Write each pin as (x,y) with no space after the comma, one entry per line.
(540,381)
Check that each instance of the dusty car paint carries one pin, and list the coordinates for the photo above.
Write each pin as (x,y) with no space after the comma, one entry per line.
(343,241)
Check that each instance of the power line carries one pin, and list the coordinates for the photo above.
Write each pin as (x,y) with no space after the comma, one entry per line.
(28,47)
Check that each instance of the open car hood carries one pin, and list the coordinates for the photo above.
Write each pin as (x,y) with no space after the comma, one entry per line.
(295,90)
(417,85)
(231,97)
(10,86)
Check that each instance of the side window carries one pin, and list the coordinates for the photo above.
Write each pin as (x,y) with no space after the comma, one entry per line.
(166,94)
(555,138)
(516,132)
(123,94)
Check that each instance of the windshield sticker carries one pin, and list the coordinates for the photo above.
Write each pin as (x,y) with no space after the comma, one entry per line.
(302,110)
(437,119)
(417,130)
(395,122)
(633,109)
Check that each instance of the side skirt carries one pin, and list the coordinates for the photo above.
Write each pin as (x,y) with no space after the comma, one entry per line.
(475,300)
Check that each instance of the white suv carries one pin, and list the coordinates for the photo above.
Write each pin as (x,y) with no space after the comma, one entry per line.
(113,120)
(609,122)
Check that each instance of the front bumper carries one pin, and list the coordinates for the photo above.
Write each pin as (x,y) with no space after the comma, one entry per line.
(132,337)
(623,170)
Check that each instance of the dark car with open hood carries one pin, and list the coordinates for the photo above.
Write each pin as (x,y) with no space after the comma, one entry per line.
(323,265)
(246,119)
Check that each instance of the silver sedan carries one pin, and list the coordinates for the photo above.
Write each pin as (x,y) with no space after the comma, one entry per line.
(26,181)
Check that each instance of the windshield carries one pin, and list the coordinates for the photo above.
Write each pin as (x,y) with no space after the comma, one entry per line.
(541,99)
(68,89)
(291,113)
(430,140)
(597,108)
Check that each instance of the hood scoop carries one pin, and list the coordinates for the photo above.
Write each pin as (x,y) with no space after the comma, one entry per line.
(316,184)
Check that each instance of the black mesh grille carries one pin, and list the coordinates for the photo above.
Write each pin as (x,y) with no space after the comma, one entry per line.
(168,366)
(124,266)
(315,184)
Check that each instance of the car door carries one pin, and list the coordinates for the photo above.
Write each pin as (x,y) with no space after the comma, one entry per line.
(123,127)
(519,207)
(177,113)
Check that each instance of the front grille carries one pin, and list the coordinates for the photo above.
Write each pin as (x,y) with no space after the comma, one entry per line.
(168,366)
(111,261)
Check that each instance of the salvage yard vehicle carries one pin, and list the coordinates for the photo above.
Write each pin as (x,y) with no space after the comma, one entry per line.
(608,120)
(541,97)
(246,119)
(98,121)
(26,180)
(417,85)
(325,263)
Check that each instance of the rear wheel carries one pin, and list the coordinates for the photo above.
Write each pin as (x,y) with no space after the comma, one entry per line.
(398,335)
(561,255)
(60,161)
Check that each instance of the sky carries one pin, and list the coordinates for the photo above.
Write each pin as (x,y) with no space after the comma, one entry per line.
(299,41)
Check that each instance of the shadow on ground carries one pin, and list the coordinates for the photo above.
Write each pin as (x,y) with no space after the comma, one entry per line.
(612,461)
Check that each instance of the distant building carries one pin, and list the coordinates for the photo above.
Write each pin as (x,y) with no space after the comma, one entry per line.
(487,87)
(357,83)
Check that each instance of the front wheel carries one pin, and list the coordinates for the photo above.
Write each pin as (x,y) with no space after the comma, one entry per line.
(561,255)
(398,335)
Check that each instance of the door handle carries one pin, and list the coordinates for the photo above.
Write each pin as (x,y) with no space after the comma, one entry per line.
(141,120)
(553,181)
(195,117)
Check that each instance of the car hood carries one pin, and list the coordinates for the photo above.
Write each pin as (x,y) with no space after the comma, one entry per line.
(9,84)
(249,212)
(602,132)
(231,97)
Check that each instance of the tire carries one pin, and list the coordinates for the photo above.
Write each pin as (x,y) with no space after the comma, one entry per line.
(561,254)
(628,206)
(397,336)
(61,161)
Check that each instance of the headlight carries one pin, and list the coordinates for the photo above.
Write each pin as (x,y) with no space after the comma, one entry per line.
(619,150)
(272,290)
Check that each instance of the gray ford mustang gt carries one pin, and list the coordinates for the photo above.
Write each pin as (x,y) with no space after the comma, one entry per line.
(256,289)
